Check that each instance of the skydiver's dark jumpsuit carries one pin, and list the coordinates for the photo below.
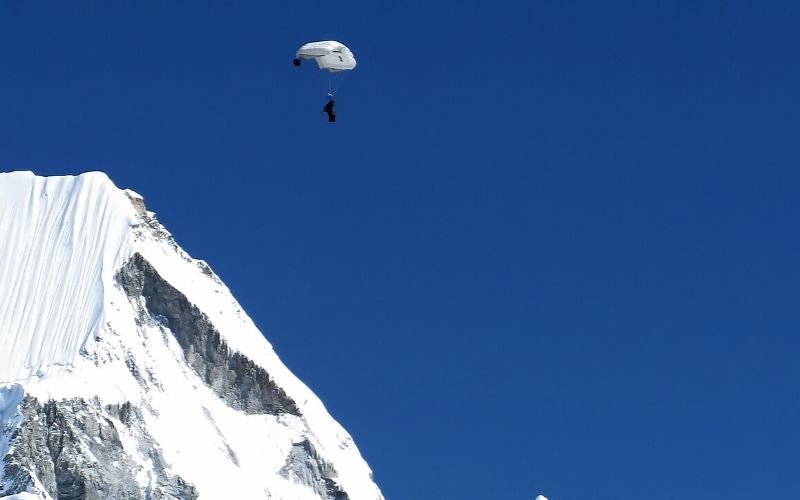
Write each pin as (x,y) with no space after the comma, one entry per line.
(329,109)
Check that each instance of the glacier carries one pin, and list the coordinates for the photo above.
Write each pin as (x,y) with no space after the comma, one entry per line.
(128,369)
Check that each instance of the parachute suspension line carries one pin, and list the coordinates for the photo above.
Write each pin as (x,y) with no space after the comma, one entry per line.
(333,88)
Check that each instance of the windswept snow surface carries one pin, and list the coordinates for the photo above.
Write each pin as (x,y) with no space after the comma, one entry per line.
(67,330)
(60,240)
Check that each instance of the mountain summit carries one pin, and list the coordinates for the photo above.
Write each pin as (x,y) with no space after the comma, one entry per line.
(128,370)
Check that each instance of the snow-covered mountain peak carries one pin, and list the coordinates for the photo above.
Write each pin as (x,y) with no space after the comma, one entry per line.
(138,357)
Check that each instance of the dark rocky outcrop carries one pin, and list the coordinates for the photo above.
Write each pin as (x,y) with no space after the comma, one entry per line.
(306,466)
(72,449)
(235,378)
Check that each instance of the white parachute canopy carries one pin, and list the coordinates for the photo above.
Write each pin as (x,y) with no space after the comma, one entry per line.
(329,54)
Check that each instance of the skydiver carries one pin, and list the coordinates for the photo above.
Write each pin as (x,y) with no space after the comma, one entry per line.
(329,109)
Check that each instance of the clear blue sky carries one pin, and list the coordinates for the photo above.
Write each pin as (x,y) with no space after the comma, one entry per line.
(548,247)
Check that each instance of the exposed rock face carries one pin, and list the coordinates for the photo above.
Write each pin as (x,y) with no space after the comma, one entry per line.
(72,450)
(305,466)
(237,380)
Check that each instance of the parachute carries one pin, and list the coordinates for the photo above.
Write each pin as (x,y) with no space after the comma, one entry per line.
(330,55)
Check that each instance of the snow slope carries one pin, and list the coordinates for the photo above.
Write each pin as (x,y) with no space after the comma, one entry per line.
(68,329)
(60,240)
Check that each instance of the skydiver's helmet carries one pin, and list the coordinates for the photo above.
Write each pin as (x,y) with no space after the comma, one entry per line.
(296,61)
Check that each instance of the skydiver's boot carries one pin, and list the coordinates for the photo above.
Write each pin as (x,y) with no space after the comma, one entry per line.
(296,61)
(331,117)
